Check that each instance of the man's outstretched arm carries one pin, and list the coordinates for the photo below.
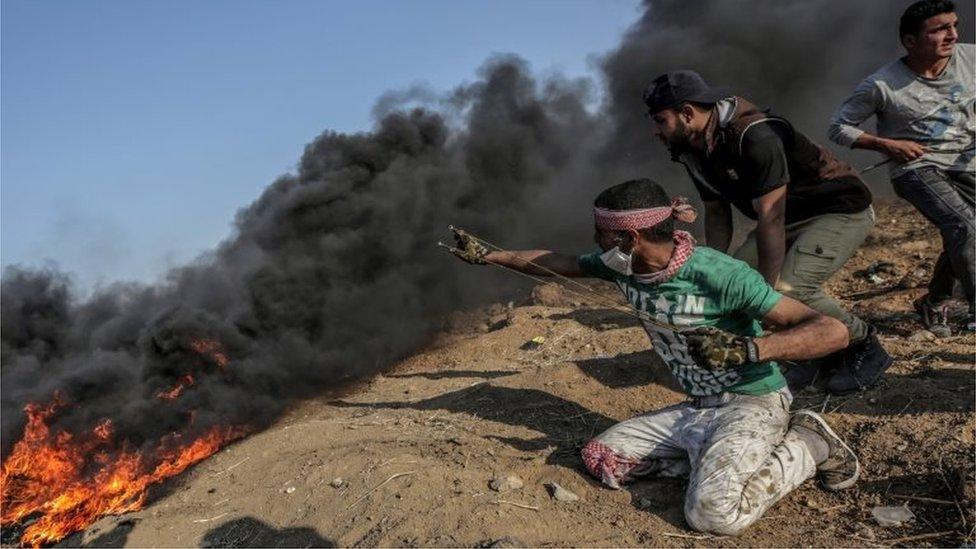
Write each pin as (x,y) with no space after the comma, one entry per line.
(534,262)
(801,333)
(538,262)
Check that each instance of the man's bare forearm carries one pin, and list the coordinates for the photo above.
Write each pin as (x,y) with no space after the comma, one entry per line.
(771,245)
(815,337)
(718,226)
(537,262)
(871,142)
(899,150)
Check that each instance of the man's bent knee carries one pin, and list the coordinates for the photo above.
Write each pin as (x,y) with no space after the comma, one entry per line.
(710,517)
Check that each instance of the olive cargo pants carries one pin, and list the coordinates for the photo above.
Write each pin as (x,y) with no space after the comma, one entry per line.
(816,249)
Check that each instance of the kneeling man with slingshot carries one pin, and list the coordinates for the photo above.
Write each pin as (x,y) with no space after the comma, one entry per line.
(734,438)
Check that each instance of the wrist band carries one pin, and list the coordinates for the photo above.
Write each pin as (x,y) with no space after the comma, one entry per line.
(752,350)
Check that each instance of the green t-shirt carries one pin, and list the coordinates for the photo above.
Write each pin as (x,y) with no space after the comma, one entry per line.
(710,289)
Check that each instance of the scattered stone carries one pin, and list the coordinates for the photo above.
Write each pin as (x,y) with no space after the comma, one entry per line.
(645,503)
(872,400)
(559,493)
(505,483)
(551,295)
(533,343)
(922,335)
(505,542)
(866,532)
(892,516)
(963,479)
(337,482)
(880,267)
(902,447)
(290,490)
(497,322)
(875,279)
(917,246)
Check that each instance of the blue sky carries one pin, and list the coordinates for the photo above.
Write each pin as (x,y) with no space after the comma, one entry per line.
(130,132)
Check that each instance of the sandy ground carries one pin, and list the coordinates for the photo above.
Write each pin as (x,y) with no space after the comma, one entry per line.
(415,448)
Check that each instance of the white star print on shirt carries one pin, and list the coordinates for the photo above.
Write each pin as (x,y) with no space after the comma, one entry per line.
(662,307)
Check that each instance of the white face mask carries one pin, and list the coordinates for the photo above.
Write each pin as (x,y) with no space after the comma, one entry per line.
(618,261)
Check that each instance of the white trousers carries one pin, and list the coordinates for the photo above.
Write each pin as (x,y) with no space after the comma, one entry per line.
(736,451)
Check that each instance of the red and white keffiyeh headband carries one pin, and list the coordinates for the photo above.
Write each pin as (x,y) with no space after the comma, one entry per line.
(623,220)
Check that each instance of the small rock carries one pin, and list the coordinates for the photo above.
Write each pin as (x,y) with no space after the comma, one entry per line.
(551,295)
(533,343)
(337,482)
(872,400)
(507,541)
(505,483)
(559,493)
(866,532)
(645,503)
(497,322)
(875,279)
(892,516)
(902,447)
(922,335)
(290,489)
(880,267)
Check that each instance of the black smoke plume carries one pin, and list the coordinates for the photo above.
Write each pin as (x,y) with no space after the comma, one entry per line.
(333,274)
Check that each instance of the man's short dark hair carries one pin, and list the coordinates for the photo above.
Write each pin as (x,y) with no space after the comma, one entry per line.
(917,13)
(637,194)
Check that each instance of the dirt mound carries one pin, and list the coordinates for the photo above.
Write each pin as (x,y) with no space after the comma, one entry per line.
(406,458)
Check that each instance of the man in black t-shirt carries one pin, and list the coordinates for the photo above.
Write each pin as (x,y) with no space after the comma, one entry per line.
(812,210)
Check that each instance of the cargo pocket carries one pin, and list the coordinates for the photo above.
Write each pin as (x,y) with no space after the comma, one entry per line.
(813,263)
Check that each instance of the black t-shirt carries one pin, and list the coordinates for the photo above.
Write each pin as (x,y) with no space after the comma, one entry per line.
(765,164)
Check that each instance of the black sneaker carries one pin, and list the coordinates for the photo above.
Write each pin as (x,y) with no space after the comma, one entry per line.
(935,318)
(864,362)
(841,469)
(800,375)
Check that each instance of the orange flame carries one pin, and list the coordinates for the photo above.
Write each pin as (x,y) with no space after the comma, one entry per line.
(71,481)
(212,349)
(182,383)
